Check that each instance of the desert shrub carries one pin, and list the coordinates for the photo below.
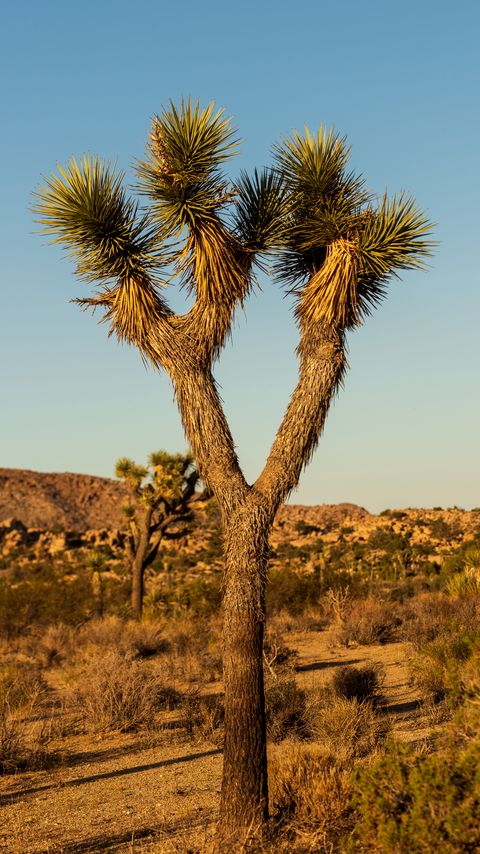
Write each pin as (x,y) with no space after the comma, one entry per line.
(203,718)
(291,591)
(285,710)
(199,597)
(369,621)
(345,727)
(358,683)
(467,554)
(116,692)
(442,530)
(25,728)
(465,583)
(48,593)
(310,797)
(278,658)
(100,633)
(195,648)
(128,637)
(145,639)
(387,540)
(394,514)
(425,617)
(418,803)
(21,683)
(440,667)
(53,645)
(302,527)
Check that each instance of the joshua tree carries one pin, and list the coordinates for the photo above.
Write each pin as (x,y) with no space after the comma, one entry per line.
(332,243)
(159,508)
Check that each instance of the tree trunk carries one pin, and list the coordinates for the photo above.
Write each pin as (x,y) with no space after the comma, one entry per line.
(137,588)
(244,802)
(141,547)
(248,513)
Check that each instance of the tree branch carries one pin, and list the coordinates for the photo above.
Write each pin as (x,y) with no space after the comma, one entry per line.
(322,368)
(209,436)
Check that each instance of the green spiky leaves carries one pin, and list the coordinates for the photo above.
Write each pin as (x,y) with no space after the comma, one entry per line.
(182,173)
(86,208)
(260,211)
(182,176)
(310,211)
(339,248)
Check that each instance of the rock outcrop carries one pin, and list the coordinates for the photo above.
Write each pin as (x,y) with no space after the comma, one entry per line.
(70,502)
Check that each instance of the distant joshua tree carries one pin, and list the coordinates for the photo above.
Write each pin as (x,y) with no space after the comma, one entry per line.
(159,508)
(335,247)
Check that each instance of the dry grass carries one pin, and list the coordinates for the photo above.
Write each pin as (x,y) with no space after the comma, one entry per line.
(117,692)
(369,621)
(345,727)
(285,710)
(27,722)
(428,615)
(310,797)
(127,637)
(203,718)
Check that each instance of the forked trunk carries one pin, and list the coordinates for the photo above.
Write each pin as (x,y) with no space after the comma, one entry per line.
(244,803)
(248,513)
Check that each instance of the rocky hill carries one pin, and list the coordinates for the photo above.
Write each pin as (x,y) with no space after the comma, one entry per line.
(73,502)
(51,514)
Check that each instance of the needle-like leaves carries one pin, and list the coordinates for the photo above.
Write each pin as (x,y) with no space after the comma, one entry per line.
(183,179)
(182,171)
(86,209)
(339,248)
(85,206)
(260,211)
(332,243)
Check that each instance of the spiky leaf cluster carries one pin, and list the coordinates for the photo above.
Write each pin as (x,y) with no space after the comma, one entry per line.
(332,243)
(260,211)
(86,208)
(339,247)
(130,471)
(182,174)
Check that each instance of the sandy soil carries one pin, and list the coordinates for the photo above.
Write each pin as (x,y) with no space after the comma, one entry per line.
(122,794)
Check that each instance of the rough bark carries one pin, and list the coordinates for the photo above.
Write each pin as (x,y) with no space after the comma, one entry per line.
(137,589)
(248,513)
(244,801)
(321,371)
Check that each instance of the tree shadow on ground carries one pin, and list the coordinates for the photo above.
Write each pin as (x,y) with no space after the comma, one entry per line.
(129,837)
(11,797)
(323,665)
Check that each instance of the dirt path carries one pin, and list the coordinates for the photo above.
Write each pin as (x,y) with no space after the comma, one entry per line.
(318,655)
(119,794)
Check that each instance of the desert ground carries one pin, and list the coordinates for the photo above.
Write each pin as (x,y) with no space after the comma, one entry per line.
(111,729)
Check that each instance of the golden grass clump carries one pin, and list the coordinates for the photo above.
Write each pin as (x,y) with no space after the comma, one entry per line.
(346,727)
(117,692)
(310,794)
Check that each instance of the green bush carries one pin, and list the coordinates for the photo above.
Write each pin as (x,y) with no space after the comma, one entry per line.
(346,728)
(49,593)
(418,804)
(440,667)
(291,591)
(199,597)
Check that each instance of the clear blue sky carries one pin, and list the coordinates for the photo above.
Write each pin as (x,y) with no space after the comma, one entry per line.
(401,80)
